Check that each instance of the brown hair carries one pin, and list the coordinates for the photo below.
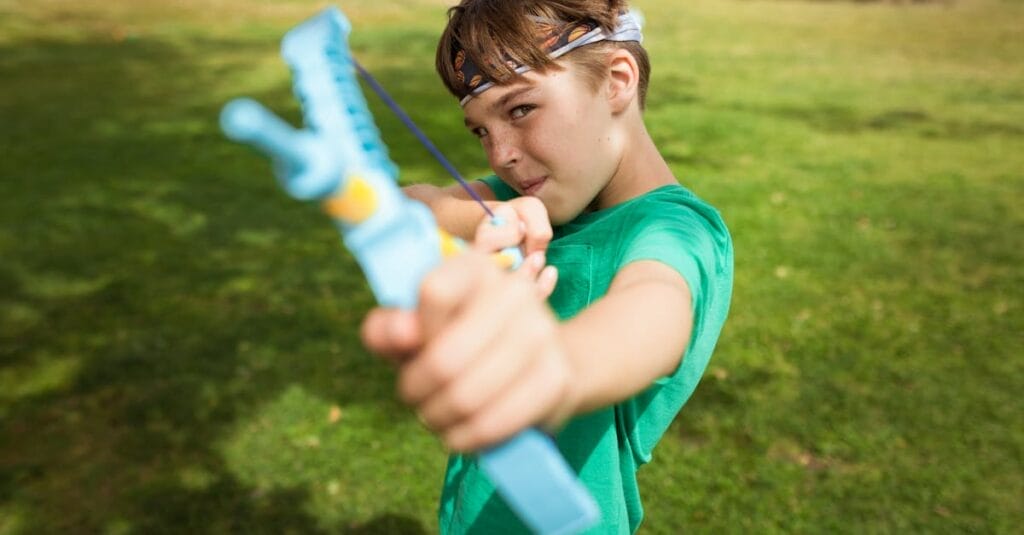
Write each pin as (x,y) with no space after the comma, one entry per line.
(488,29)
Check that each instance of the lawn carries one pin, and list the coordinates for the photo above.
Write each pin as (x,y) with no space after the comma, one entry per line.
(178,339)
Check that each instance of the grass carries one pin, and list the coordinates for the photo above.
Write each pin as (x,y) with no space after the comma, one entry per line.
(178,346)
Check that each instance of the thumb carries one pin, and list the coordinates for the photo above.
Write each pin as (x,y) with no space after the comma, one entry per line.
(392,333)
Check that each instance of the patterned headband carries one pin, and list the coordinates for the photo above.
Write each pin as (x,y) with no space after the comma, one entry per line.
(558,38)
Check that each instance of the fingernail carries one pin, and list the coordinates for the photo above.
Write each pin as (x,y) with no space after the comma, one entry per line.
(537,259)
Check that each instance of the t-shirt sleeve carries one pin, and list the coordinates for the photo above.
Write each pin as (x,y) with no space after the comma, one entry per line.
(696,244)
(501,190)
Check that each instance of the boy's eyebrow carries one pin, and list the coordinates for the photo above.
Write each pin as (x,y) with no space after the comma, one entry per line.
(502,102)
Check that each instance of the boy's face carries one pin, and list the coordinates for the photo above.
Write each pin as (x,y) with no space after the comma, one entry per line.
(549,136)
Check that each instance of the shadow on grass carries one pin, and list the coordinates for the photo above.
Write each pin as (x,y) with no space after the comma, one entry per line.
(158,289)
(836,118)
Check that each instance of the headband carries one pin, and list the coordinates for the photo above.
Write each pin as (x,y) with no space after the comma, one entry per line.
(557,37)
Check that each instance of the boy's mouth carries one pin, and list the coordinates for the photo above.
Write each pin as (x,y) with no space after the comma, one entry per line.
(532,186)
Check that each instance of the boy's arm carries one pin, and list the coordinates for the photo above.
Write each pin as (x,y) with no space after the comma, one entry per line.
(453,208)
(489,358)
(614,349)
(630,338)
(460,215)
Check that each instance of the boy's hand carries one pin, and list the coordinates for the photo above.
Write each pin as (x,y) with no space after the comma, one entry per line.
(529,218)
(525,225)
(481,358)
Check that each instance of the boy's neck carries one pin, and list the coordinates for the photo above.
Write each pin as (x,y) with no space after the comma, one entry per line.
(641,168)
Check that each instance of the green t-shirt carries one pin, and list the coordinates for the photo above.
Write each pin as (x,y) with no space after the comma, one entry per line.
(606,447)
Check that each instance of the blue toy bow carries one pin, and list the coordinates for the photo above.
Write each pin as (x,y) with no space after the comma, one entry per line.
(340,159)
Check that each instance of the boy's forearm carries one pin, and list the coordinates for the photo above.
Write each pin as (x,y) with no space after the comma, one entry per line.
(455,213)
(629,339)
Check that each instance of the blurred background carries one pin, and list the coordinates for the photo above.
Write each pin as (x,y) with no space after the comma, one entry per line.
(178,339)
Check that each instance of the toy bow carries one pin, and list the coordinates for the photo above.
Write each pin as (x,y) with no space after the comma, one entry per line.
(340,159)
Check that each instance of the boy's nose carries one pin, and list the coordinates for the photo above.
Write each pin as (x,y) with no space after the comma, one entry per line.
(504,152)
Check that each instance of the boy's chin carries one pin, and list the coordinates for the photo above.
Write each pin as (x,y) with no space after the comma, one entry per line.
(559,212)
(560,217)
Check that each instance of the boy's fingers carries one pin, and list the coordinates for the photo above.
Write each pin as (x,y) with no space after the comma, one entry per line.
(538,227)
(543,277)
(480,381)
(491,237)
(546,282)
(391,333)
(455,314)
(523,405)
(502,356)
(532,265)
(445,289)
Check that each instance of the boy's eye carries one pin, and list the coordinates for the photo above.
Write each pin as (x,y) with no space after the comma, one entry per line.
(479,132)
(520,111)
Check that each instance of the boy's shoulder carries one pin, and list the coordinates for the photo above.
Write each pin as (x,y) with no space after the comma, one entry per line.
(672,204)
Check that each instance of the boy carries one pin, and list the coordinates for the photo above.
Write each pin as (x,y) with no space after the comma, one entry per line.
(555,90)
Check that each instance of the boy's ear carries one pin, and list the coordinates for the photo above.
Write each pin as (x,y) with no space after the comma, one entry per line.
(623,80)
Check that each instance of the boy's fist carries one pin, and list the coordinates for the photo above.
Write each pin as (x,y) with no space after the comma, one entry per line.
(481,358)
(526,220)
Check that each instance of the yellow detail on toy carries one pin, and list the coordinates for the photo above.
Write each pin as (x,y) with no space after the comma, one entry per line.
(504,260)
(450,246)
(354,205)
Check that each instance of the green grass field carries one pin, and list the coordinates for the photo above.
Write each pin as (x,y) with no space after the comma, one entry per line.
(178,339)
